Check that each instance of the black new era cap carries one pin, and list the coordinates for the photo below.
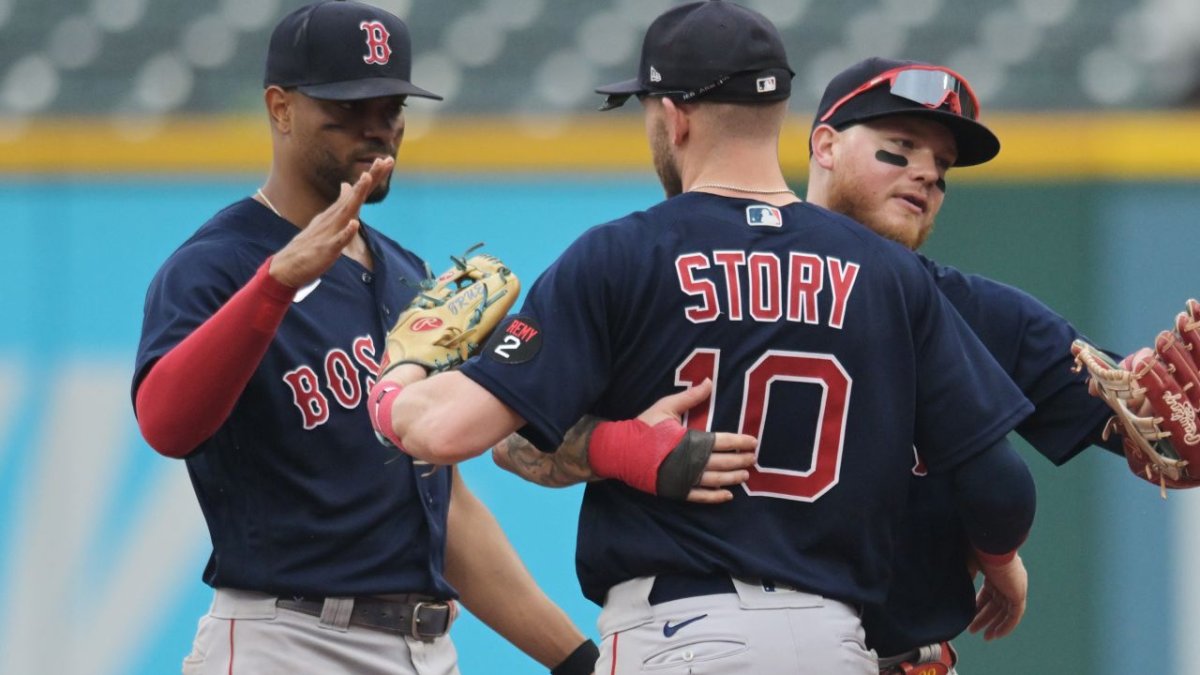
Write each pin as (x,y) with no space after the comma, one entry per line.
(342,51)
(715,51)
(879,87)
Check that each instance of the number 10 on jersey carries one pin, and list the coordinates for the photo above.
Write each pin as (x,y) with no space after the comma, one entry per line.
(773,368)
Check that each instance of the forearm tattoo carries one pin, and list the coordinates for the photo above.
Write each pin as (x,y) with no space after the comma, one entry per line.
(567,466)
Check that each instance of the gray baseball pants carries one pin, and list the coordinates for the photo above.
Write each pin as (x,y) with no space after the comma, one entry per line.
(755,630)
(244,633)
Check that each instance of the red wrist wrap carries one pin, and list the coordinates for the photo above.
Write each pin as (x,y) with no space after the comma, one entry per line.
(631,451)
(379,406)
(995,559)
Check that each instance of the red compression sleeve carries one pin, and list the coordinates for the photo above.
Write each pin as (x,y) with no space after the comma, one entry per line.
(192,389)
(631,451)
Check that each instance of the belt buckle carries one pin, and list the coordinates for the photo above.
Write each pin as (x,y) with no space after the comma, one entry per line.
(415,627)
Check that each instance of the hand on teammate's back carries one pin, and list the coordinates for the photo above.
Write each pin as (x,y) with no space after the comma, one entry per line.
(732,454)
(1000,603)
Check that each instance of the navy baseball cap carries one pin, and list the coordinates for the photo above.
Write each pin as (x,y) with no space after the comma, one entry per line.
(879,87)
(714,50)
(341,51)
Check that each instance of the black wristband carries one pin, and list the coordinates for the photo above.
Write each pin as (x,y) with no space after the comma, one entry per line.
(582,661)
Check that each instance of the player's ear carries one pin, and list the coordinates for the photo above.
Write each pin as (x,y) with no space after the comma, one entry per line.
(824,138)
(677,120)
(279,108)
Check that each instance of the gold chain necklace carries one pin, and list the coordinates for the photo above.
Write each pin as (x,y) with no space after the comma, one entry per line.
(734,188)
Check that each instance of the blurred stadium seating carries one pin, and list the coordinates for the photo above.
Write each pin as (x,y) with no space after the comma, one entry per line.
(122,57)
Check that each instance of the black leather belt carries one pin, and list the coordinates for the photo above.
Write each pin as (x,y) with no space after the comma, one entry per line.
(668,587)
(421,617)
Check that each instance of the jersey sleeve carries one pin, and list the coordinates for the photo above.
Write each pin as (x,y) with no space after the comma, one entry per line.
(965,400)
(574,307)
(188,289)
(1032,343)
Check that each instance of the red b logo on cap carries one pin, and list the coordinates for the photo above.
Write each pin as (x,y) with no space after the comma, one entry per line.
(378,50)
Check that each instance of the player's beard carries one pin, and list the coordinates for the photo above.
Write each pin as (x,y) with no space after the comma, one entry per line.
(664,160)
(330,173)
(848,197)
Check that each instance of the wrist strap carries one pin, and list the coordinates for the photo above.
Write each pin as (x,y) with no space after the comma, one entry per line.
(995,559)
(632,451)
(379,406)
(582,661)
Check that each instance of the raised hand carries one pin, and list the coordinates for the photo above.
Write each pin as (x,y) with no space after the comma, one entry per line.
(316,247)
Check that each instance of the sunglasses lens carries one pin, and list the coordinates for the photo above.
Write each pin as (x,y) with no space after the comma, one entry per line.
(934,88)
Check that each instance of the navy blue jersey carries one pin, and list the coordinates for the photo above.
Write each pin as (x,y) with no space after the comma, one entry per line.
(931,598)
(827,342)
(300,497)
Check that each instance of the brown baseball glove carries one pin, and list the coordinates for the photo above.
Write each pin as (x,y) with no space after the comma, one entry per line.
(452,314)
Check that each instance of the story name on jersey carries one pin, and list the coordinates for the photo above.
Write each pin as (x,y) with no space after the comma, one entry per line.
(340,374)
(775,289)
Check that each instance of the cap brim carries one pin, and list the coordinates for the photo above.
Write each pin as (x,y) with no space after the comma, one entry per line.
(976,143)
(620,92)
(354,90)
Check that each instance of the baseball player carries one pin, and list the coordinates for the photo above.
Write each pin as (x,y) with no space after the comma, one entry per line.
(261,338)
(932,598)
(830,345)
(873,158)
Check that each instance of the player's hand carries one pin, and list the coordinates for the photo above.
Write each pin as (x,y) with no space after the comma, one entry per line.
(1000,603)
(316,247)
(732,454)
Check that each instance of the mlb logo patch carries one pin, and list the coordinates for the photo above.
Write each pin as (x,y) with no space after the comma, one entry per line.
(765,84)
(762,215)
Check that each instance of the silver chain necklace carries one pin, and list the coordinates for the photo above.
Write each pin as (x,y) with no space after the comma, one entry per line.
(266,201)
(734,188)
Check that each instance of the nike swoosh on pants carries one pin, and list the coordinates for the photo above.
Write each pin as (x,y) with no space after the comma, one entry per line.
(669,630)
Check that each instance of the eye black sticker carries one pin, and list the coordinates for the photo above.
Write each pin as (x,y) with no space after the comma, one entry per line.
(516,340)
(891,158)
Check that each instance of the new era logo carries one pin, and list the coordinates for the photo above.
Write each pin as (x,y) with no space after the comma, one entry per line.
(765,84)
(654,76)
(762,215)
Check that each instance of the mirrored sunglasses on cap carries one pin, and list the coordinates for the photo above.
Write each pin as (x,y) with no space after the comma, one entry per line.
(931,86)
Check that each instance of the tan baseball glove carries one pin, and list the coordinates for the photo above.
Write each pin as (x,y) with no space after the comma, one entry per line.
(1155,395)
(452,314)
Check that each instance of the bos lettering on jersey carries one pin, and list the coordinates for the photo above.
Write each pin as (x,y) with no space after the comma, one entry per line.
(340,374)
(772,289)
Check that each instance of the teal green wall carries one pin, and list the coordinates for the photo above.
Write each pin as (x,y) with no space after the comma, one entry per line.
(1116,259)
(1038,238)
